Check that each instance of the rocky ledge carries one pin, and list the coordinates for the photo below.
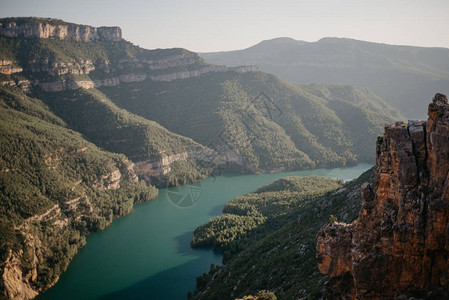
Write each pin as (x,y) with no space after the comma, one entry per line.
(399,245)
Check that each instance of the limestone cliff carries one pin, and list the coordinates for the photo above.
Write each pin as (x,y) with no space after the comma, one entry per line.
(399,245)
(55,28)
(160,166)
(58,73)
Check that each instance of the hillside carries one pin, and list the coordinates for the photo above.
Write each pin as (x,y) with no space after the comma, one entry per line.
(268,239)
(55,188)
(402,75)
(258,121)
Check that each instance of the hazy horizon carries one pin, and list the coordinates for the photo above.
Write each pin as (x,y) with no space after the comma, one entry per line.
(210,26)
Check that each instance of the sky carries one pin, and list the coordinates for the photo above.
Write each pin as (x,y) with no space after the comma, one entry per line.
(215,25)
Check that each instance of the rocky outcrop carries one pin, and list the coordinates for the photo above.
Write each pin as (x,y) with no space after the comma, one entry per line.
(8,67)
(157,167)
(110,181)
(62,85)
(19,274)
(399,245)
(179,64)
(160,166)
(201,71)
(54,28)
(76,67)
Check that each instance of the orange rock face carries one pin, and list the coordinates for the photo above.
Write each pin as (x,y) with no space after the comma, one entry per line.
(399,245)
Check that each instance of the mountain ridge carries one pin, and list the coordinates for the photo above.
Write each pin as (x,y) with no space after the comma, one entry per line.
(402,75)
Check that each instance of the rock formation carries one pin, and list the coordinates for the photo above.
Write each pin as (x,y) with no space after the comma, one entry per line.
(53,28)
(8,67)
(399,245)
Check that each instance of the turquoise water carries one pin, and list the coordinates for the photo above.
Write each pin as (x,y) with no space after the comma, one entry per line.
(147,254)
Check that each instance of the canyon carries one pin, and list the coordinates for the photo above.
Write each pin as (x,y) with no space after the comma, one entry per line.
(159,117)
(399,244)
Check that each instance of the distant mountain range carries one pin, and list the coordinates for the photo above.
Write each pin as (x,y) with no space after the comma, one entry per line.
(402,75)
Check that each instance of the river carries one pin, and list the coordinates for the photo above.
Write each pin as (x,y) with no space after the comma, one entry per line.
(147,254)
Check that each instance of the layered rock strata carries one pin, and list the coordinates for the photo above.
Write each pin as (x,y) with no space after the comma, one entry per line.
(399,245)
(54,28)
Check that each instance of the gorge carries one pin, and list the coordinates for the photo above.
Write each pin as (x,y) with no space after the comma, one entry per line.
(92,125)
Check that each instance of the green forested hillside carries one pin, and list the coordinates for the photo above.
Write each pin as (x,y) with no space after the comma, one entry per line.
(96,117)
(250,217)
(89,111)
(55,188)
(277,251)
(271,124)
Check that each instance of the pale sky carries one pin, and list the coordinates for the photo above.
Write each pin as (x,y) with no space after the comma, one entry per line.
(212,25)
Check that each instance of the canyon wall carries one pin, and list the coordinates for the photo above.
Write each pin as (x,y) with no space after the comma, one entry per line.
(399,245)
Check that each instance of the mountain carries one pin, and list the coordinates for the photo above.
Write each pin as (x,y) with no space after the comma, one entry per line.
(91,125)
(248,120)
(402,75)
(399,243)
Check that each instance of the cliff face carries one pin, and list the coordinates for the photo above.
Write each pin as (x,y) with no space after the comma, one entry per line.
(57,86)
(156,167)
(178,66)
(53,28)
(400,242)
